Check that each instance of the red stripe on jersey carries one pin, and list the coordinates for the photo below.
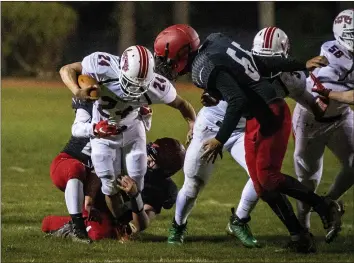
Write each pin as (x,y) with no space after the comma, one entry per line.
(271,37)
(264,37)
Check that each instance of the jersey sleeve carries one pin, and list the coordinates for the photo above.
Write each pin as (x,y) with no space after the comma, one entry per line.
(82,126)
(162,90)
(100,65)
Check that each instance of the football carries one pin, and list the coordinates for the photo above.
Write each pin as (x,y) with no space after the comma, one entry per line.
(86,82)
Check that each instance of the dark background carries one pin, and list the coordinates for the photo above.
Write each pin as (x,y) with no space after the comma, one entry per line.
(107,26)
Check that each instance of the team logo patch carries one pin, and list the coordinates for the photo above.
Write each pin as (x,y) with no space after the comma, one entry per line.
(125,61)
(346,19)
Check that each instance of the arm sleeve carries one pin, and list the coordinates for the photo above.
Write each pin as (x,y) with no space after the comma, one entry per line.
(82,126)
(235,98)
(267,65)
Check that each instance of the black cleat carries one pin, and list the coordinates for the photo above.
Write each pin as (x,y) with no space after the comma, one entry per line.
(305,245)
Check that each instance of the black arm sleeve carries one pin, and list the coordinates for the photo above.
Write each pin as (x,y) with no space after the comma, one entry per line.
(233,95)
(267,65)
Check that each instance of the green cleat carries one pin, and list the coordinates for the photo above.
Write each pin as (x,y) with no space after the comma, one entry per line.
(177,233)
(240,229)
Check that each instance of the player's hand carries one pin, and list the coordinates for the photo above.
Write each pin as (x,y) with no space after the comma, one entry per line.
(105,129)
(91,92)
(212,148)
(128,185)
(319,88)
(316,62)
(207,100)
(94,214)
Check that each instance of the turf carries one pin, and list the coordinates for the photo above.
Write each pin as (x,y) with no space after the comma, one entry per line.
(36,125)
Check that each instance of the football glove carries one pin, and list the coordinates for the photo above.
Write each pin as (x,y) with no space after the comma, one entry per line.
(319,88)
(104,129)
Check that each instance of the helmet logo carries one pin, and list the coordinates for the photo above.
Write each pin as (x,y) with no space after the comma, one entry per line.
(125,61)
(345,18)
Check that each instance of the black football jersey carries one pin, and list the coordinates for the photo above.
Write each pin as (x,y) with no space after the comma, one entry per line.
(80,148)
(220,53)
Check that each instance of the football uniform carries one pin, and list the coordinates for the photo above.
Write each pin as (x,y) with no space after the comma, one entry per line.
(74,160)
(127,149)
(160,193)
(335,130)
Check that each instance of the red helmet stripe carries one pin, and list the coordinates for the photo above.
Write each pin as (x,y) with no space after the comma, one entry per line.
(267,36)
(144,62)
(264,37)
(271,37)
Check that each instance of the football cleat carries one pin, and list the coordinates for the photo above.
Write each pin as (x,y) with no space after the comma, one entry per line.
(336,211)
(80,235)
(241,230)
(177,232)
(306,244)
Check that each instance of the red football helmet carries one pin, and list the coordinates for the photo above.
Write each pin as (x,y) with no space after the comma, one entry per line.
(168,154)
(172,48)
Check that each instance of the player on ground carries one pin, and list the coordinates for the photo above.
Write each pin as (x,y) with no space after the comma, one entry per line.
(73,167)
(228,72)
(127,83)
(165,158)
(335,130)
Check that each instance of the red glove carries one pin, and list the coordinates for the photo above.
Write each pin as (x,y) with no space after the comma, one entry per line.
(319,88)
(145,110)
(105,129)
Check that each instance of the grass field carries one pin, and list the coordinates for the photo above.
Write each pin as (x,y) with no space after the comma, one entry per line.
(36,121)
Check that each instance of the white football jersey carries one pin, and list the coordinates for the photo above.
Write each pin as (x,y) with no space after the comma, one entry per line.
(217,113)
(338,75)
(113,104)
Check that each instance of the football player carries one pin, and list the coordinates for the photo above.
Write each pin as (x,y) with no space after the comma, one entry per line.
(165,158)
(228,72)
(335,130)
(197,172)
(128,82)
(72,167)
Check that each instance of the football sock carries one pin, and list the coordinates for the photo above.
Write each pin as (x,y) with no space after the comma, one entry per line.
(74,196)
(284,210)
(249,199)
(297,190)
(184,206)
(78,220)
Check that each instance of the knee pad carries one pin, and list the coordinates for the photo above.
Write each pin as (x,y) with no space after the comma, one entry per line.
(192,186)
(109,185)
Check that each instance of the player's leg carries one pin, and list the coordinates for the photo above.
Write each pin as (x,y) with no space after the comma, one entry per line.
(196,175)
(341,144)
(106,157)
(271,151)
(238,224)
(308,157)
(68,174)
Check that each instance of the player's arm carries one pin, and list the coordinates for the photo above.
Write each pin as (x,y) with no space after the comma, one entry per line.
(233,95)
(82,126)
(68,74)
(267,65)
(342,96)
(187,111)
(140,219)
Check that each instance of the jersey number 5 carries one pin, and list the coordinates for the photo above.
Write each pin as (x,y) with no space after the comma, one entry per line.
(244,58)
(334,50)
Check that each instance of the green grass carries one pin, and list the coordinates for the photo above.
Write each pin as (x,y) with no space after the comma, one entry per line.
(36,125)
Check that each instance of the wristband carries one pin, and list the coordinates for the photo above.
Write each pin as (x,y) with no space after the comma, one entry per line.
(137,203)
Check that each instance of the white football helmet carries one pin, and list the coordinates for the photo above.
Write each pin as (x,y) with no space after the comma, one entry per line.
(343,29)
(136,70)
(271,41)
